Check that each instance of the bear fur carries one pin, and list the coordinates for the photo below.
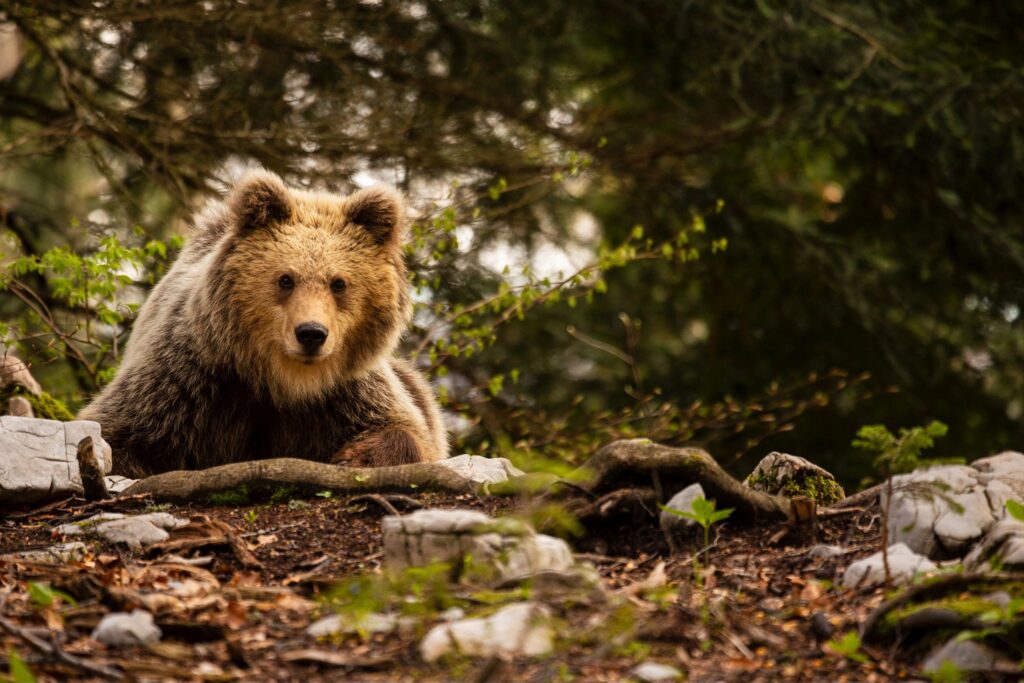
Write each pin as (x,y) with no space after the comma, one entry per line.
(217,369)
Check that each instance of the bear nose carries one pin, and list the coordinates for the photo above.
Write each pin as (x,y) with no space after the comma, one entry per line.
(311,335)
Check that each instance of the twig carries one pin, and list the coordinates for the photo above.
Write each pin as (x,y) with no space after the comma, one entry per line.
(54,651)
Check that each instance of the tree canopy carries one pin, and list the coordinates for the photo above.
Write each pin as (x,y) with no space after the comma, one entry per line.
(789,205)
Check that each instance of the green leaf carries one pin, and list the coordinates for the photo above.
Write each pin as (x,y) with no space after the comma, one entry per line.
(1015,509)
(20,673)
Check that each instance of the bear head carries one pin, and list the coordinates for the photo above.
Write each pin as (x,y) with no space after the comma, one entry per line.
(314,284)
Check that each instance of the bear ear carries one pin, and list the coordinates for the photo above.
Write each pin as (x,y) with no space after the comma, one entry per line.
(378,210)
(260,199)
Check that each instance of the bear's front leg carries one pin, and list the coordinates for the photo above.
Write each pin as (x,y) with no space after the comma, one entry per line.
(379,448)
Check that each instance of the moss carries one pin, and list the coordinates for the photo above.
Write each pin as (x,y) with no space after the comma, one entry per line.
(44,405)
(821,489)
(235,496)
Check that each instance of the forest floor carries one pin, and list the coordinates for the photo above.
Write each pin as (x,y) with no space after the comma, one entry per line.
(234,591)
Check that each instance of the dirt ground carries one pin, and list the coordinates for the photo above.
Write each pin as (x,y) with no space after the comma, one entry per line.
(234,591)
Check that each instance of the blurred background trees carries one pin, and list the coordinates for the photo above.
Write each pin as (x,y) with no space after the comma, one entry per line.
(860,160)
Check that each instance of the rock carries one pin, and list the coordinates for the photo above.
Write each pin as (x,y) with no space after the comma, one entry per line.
(343,623)
(38,458)
(481,470)
(821,627)
(941,511)
(518,630)
(117,484)
(824,552)
(965,655)
(653,672)
(120,629)
(904,564)
(19,406)
(533,554)
(502,548)
(682,501)
(135,532)
(61,553)
(782,474)
(14,371)
(1002,548)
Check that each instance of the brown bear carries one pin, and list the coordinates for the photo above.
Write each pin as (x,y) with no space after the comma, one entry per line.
(273,335)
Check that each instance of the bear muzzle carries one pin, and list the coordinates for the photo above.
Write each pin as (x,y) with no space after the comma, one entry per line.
(311,336)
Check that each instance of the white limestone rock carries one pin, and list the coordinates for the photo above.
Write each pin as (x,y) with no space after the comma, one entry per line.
(942,511)
(782,474)
(117,484)
(653,672)
(904,564)
(683,502)
(135,532)
(39,458)
(120,629)
(336,624)
(60,553)
(1002,547)
(521,629)
(965,655)
(481,470)
(504,548)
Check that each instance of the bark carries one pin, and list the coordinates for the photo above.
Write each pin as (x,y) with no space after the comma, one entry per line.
(93,482)
(639,463)
(186,486)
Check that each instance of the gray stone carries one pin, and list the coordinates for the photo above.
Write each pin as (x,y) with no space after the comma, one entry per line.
(683,502)
(15,371)
(117,484)
(120,629)
(60,553)
(904,564)
(941,511)
(135,532)
(824,552)
(336,624)
(481,470)
(505,548)
(1002,547)
(653,672)
(966,655)
(782,474)
(518,630)
(39,458)
(19,406)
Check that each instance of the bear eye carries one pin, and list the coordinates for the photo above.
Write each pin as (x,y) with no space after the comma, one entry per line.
(286,282)
(338,285)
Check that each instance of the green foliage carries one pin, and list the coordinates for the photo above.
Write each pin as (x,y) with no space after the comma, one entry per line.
(43,596)
(1015,509)
(704,513)
(43,405)
(859,164)
(84,308)
(416,591)
(898,454)
(235,497)
(19,671)
(848,646)
(251,516)
(948,672)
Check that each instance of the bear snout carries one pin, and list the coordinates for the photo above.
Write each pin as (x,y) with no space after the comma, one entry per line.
(311,336)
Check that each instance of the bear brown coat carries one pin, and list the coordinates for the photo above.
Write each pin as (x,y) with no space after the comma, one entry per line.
(273,335)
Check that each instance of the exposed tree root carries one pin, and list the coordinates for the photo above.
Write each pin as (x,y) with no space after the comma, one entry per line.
(184,486)
(952,585)
(635,465)
(641,463)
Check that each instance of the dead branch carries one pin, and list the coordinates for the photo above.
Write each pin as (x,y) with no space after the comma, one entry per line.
(953,584)
(58,654)
(186,486)
(93,482)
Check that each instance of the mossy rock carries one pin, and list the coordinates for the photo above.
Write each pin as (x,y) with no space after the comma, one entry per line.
(781,474)
(44,405)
